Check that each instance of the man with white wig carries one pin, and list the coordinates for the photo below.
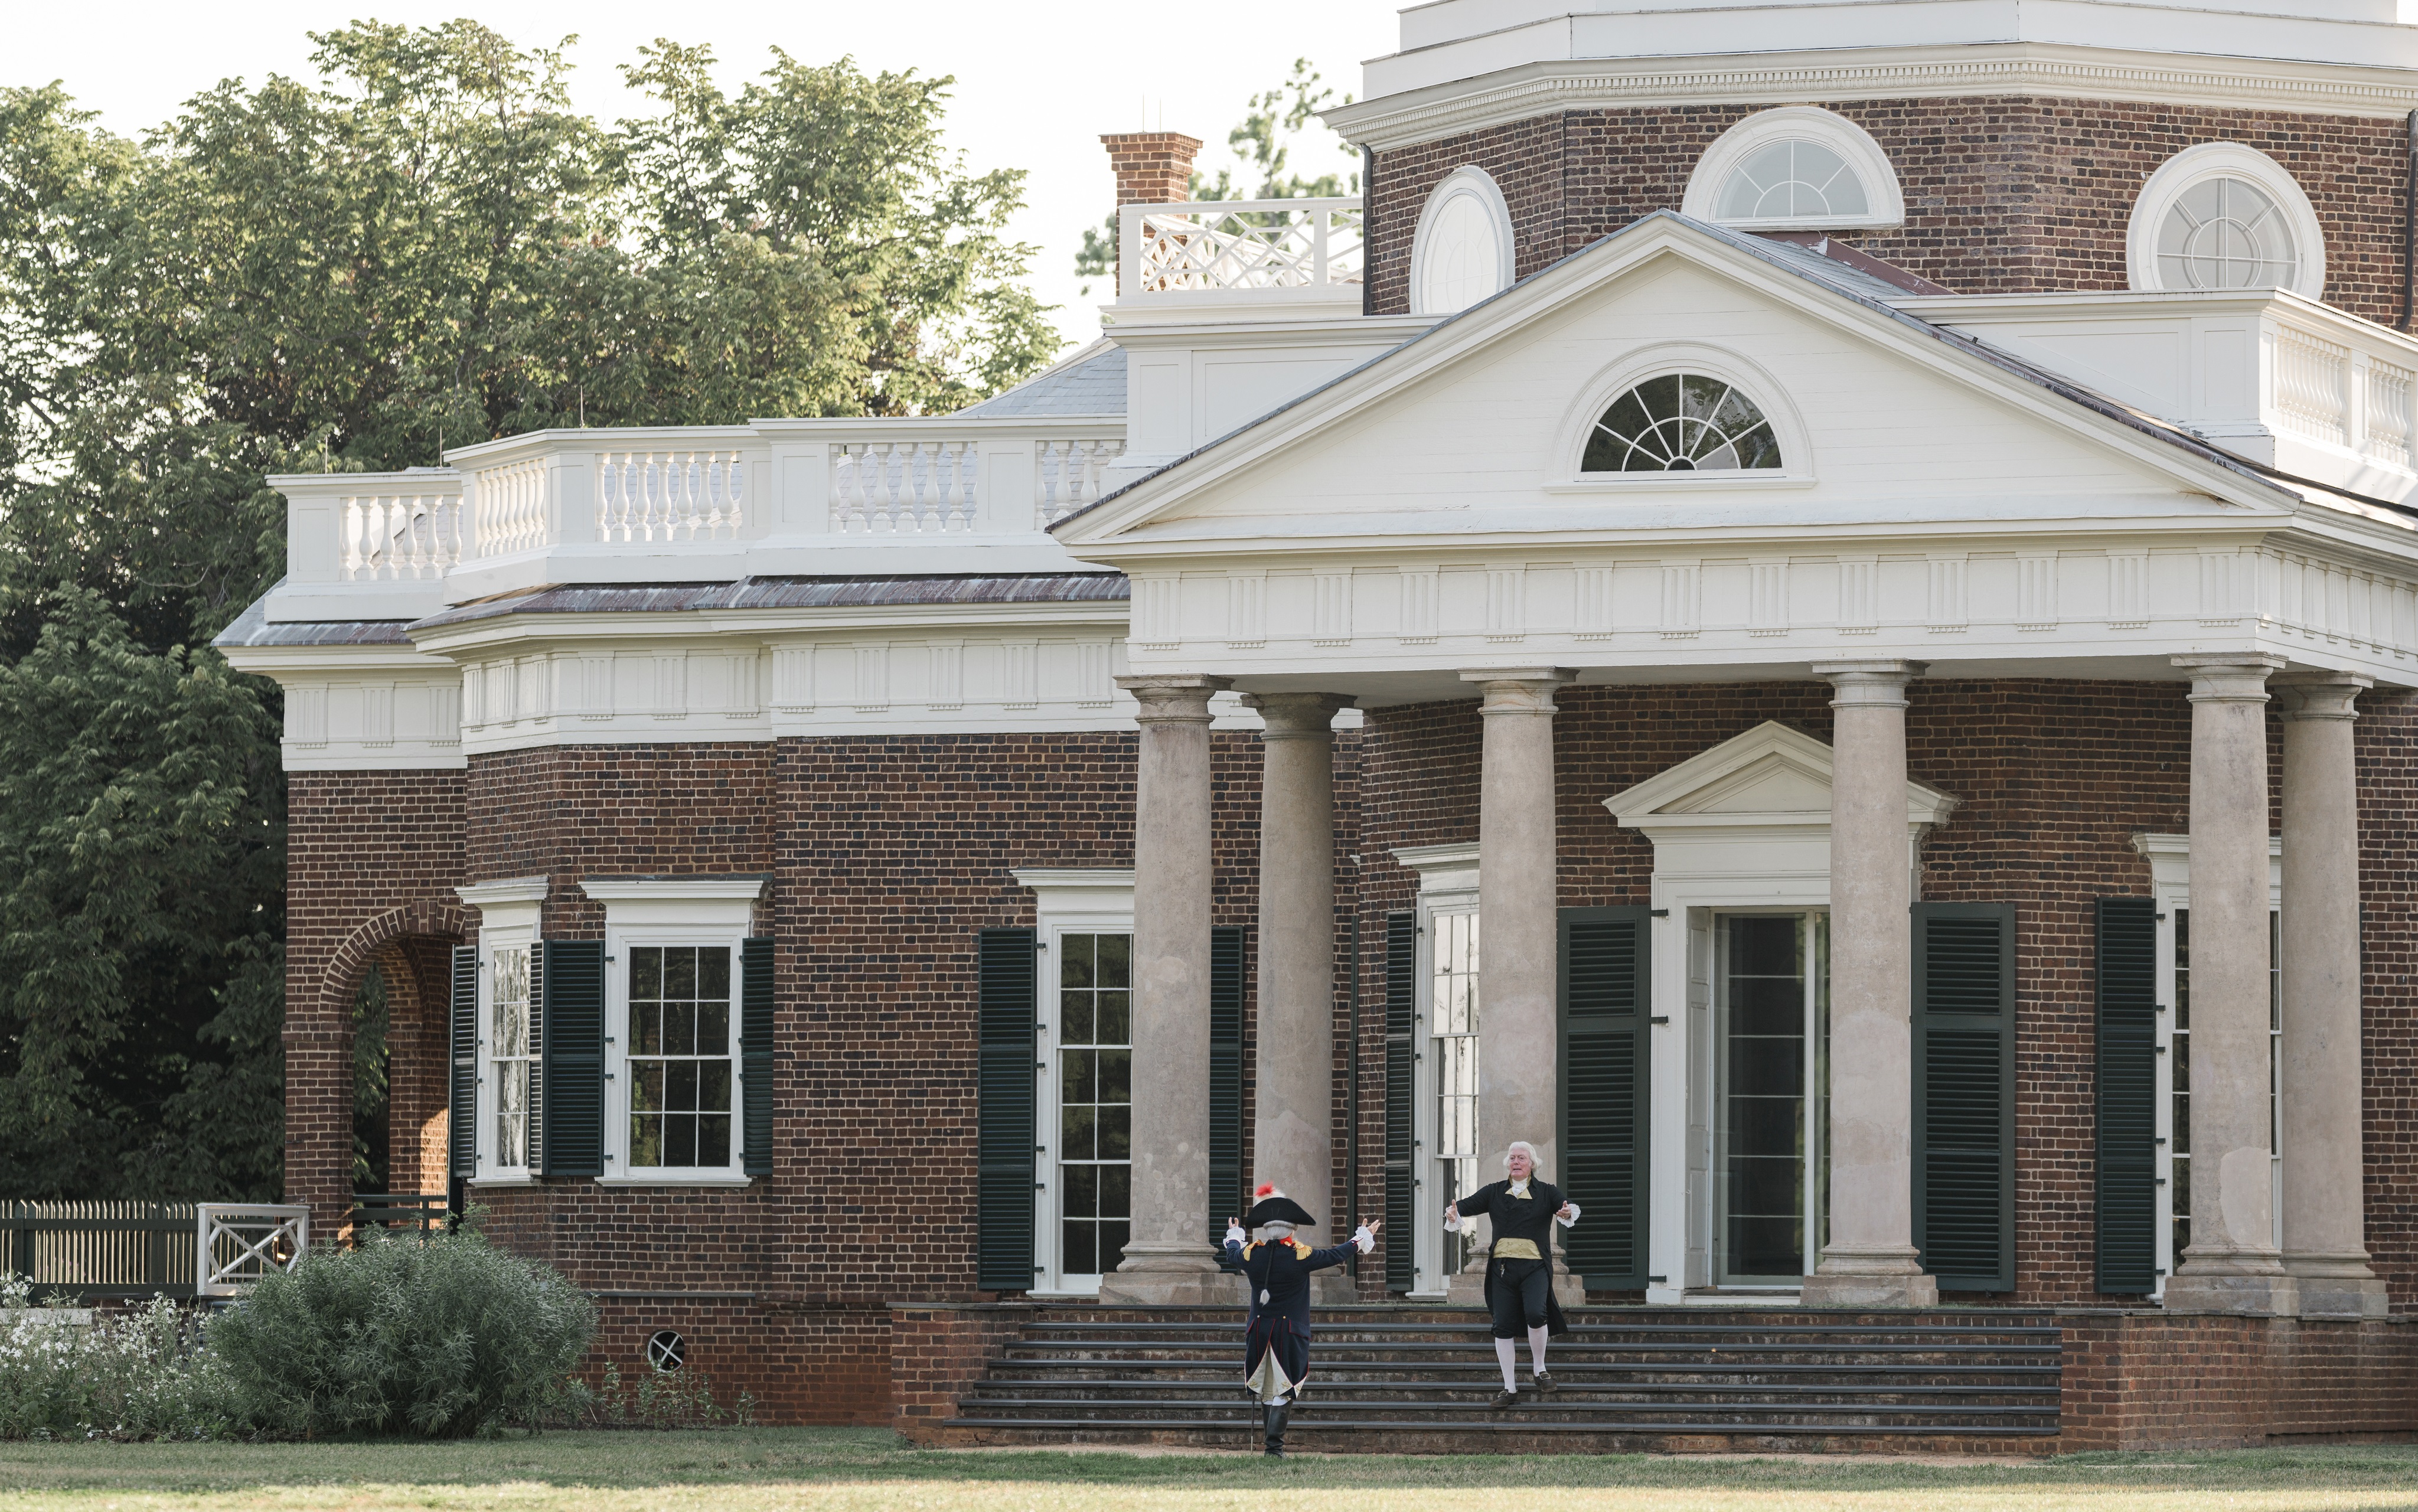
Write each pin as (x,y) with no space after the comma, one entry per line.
(1276,1332)
(1520,1263)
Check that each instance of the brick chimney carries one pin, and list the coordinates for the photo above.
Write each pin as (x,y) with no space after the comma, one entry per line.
(1152,168)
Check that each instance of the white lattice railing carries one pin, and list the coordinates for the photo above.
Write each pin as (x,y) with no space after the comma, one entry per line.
(387,536)
(1311,247)
(670,494)
(932,485)
(235,1244)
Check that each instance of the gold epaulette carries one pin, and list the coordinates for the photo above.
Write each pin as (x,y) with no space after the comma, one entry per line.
(1300,1250)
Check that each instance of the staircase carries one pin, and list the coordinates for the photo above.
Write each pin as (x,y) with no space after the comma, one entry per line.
(1417,1380)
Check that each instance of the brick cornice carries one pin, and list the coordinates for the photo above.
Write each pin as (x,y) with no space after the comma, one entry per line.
(2009,68)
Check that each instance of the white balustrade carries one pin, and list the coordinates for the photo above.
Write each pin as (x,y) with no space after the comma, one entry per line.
(2313,385)
(512,514)
(669,496)
(1311,245)
(1066,475)
(2389,425)
(398,536)
(238,1243)
(905,488)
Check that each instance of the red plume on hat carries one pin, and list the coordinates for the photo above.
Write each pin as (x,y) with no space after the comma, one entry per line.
(1267,1189)
(1275,1207)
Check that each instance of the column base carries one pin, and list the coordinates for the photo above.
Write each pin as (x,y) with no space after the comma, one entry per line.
(1187,1278)
(2274,1293)
(2337,1286)
(1882,1277)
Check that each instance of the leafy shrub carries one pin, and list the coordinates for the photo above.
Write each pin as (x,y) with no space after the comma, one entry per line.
(684,1400)
(441,1335)
(137,1376)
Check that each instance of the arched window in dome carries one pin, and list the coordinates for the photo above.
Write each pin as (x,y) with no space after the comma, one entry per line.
(1681,422)
(1461,251)
(1795,168)
(2222,216)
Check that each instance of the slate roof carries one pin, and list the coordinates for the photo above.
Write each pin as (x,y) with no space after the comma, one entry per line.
(1090,382)
(252,628)
(794,593)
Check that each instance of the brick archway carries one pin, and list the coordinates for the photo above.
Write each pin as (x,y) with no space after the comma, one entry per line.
(411,944)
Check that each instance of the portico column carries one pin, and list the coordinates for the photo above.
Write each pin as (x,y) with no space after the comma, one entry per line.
(1519,900)
(1870,1260)
(1167,1259)
(1294,1085)
(2325,1236)
(2231,1263)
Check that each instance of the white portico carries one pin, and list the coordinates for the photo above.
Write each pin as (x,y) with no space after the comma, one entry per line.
(1868,499)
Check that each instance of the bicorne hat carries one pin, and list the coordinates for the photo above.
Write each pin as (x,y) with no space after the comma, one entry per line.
(1275,1207)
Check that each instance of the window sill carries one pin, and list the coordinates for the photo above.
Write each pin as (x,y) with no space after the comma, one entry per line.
(1093,1295)
(504,1181)
(675,1181)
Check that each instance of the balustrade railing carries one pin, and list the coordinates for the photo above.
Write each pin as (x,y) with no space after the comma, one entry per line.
(670,494)
(906,488)
(1067,475)
(1310,247)
(397,536)
(512,514)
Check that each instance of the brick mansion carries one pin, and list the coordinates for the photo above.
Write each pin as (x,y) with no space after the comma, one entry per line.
(1811,607)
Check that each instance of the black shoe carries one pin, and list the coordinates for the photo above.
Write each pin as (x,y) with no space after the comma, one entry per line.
(1503,1400)
(1544,1382)
(1277,1418)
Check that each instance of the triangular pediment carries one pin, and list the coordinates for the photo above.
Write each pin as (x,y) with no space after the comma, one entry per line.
(1473,432)
(1772,774)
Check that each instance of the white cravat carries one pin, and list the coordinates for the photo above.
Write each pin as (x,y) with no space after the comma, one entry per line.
(1520,1190)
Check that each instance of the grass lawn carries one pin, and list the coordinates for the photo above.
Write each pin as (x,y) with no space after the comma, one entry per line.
(746,1469)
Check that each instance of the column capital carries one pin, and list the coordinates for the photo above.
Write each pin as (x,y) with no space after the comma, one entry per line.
(1869,685)
(1173,698)
(2319,695)
(2229,677)
(1519,690)
(1291,716)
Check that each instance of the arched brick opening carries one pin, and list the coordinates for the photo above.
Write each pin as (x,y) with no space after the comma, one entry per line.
(412,947)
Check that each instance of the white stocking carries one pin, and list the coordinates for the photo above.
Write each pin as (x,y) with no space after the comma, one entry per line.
(1508,1353)
(1537,1349)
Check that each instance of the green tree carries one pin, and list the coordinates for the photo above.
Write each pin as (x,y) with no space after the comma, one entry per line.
(425,246)
(1275,123)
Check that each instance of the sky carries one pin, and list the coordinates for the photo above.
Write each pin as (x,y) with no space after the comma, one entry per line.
(1037,81)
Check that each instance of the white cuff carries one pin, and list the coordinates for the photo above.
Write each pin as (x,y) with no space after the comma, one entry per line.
(1366,1239)
(1573,1219)
(1236,1236)
(1452,1226)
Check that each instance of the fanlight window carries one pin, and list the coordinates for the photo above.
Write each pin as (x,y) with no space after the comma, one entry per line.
(1793,180)
(1681,422)
(2226,234)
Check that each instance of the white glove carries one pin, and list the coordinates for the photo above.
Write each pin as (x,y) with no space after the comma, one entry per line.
(1572,1219)
(1234,1235)
(1366,1239)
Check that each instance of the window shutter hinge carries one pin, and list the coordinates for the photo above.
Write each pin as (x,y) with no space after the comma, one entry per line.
(2161,919)
(1659,913)
(2162,1181)
(2162,1050)
(1660,1280)
(1660,1019)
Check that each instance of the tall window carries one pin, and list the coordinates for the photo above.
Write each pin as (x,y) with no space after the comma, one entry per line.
(1454,1017)
(509,1059)
(1681,422)
(1095,1101)
(679,1059)
(2226,234)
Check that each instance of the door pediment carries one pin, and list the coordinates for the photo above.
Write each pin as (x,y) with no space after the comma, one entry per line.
(1772,775)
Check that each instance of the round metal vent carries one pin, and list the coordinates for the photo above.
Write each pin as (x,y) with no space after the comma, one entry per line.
(665,1351)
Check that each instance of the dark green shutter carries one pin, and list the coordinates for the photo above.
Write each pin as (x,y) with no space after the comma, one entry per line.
(1225,1079)
(2128,1101)
(537,1058)
(570,989)
(462,1096)
(1605,994)
(1964,1093)
(1401,1082)
(756,1055)
(1004,1138)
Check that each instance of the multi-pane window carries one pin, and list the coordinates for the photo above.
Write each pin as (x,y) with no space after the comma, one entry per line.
(1681,422)
(679,1062)
(510,1057)
(2179,1191)
(1453,985)
(1094,1101)
(1792,181)
(2226,234)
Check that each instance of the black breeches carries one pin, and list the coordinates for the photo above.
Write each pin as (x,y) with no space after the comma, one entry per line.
(1518,1295)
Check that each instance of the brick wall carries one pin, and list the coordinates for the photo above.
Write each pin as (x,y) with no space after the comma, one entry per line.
(2003,195)
(2150,1380)
(371,861)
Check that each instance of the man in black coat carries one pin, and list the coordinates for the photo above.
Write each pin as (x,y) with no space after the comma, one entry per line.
(1276,1330)
(1520,1263)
